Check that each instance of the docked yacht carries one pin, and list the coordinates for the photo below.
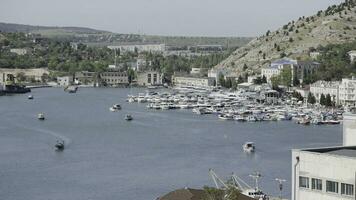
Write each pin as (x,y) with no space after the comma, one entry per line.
(226,117)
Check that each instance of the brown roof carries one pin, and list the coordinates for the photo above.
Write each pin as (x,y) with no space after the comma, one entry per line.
(193,194)
(185,194)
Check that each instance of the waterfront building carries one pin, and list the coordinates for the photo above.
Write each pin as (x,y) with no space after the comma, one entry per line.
(160,48)
(299,69)
(194,82)
(85,78)
(326,87)
(64,81)
(216,73)
(352,55)
(35,74)
(327,173)
(19,51)
(114,77)
(347,92)
(149,77)
(270,96)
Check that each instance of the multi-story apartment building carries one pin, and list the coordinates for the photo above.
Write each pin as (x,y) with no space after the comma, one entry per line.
(149,78)
(326,87)
(299,69)
(347,92)
(327,173)
(194,82)
(114,77)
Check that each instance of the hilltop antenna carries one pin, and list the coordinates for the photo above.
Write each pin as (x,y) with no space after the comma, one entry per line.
(256,176)
(280,186)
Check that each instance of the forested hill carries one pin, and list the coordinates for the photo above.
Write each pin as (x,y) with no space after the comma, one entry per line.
(335,25)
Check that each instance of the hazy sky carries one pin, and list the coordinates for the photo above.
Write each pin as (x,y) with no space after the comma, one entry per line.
(163,17)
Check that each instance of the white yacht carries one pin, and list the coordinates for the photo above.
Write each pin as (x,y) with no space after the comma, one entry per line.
(115,107)
(249,147)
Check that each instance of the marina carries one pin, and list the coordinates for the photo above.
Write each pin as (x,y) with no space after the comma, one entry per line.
(107,158)
(240,105)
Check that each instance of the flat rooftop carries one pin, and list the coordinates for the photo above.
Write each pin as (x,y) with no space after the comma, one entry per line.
(349,151)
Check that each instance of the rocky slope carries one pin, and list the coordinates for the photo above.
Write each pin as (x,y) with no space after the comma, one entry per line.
(337,24)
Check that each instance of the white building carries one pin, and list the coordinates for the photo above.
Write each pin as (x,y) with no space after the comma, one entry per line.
(216,73)
(193,82)
(352,55)
(140,47)
(347,92)
(326,173)
(326,87)
(314,55)
(36,74)
(142,63)
(276,68)
(64,81)
(195,70)
(19,51)
(299,69)
(150,77)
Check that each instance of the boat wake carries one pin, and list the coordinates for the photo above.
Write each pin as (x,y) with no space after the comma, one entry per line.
(58,136)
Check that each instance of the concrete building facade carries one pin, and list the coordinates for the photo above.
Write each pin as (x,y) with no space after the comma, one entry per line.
(326,87)
(347,92)
(64,81)
(194,82)
(148,78)
(114,77)
(36,74)
(140,47)
(327,173)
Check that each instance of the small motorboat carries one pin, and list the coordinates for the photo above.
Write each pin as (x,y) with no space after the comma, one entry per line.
(115,108)
(128,118)
(41,116)
(249,147)
(71,89)
(59,146)
(30,97)
(225,117)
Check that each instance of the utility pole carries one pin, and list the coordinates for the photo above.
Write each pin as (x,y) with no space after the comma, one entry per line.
(280,186)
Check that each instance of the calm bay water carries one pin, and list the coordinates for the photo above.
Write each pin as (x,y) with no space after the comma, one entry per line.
(109,158)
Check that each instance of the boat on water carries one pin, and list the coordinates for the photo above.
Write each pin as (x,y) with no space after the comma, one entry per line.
(304,121)
(41,116)
(59,146)
(249,147)
(115,107)
(226,117)
(128,118)
(30,97)
(239,118)
(71,89)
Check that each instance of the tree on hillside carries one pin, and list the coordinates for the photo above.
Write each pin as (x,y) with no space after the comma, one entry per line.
(311,98)
(322,99)
(328,101)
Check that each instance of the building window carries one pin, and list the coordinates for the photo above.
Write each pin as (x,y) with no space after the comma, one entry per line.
(317,184)
(347,189)
(303,182)
(332,186)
